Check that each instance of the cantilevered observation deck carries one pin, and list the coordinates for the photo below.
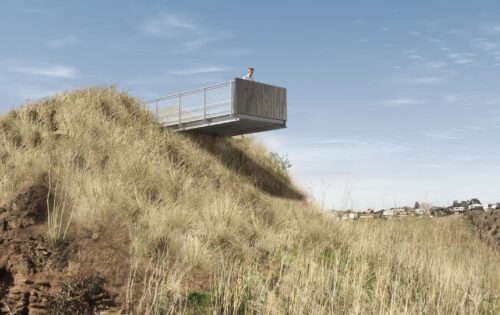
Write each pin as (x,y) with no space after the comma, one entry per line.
(230,108)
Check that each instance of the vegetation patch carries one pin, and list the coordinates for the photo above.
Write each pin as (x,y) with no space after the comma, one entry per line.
(79,296)
(200,303)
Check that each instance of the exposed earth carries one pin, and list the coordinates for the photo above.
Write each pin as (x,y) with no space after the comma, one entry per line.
(39,278)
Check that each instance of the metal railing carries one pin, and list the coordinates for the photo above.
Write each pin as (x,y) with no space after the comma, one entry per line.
(198,104)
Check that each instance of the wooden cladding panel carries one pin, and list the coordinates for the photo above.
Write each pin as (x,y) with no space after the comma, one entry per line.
(258,99)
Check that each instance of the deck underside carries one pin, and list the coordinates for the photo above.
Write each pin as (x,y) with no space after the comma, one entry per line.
(230,125)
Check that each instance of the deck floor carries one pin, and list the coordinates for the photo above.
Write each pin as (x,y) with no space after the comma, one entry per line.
(230,125)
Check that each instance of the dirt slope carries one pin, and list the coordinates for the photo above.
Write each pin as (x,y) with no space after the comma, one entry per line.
(32,272)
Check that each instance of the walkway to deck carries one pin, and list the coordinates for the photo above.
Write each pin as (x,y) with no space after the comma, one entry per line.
(230,108)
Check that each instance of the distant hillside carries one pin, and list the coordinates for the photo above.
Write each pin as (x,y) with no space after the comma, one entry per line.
(104,210)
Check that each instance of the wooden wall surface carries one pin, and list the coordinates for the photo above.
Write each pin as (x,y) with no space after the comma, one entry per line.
(259,99)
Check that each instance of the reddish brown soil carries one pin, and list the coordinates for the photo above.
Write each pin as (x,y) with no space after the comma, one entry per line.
(487,224)
(33,273)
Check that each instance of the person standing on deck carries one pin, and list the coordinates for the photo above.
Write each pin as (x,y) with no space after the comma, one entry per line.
(249,75)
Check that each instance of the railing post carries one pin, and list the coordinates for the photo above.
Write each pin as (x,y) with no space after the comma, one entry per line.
(204,103)
(180,105)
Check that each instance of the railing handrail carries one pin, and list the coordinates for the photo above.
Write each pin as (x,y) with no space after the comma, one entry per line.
(188,92)
(178,113)
(191,109)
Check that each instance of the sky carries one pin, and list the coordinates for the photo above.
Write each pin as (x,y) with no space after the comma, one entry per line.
(389,102)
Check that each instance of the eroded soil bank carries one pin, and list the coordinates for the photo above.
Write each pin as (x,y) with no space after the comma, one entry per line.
(37,277)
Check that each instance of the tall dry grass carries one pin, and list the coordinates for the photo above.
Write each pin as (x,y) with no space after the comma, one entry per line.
(59,214)
(215,227)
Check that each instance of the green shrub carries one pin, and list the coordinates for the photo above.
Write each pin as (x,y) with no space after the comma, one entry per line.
(280,162)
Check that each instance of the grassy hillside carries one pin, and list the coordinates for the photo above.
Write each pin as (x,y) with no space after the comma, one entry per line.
(195,225)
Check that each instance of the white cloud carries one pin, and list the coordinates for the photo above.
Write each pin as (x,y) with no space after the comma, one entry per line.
(456,133)
(415,57)
(26,91)
(484,45)
(437,65)
(55,71)
(470,101)
(186,33)
(492,102)
(200,70)
(348,148)
(462,58)
(456,31)
(451,98)
(491,28)
(423,80)
(441,134)
(403,101)
(66,41)
(488,47)
(196,44)
(168,24)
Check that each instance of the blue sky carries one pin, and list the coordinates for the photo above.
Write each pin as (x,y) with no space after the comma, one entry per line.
(389,101)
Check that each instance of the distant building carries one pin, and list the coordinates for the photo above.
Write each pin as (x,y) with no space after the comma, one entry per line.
(440,211)
(468,205)
(476,207)
(420,211)
(388,213)
(457,209)
(366,215)
(492,206)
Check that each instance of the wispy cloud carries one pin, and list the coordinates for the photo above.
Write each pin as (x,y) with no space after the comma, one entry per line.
(403,101)
(491,102)
(441,134)
(484,45)
(415,57)
(383,146)
(470,101)
(491,28)
(26,91)
(169,24)
(462,58)
(423,80)
(66,41)
(451,98)
(436,65)
(185,32)
(489,47)
(456,31)
(355,148)
(56,71)
(199,70)
(456,133)
(194,45)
